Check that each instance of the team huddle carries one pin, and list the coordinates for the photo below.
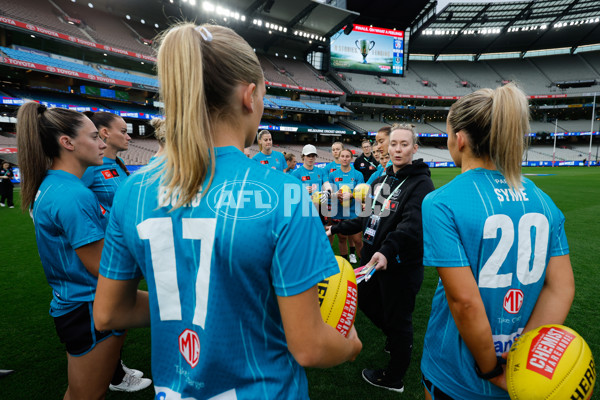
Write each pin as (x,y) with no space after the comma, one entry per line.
(202,215)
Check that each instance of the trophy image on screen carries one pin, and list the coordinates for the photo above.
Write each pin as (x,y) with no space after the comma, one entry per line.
(364,46)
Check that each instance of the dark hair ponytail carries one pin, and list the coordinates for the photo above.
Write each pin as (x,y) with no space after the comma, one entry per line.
(38,130)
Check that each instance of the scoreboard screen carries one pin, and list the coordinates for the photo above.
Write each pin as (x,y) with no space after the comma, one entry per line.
(368,49)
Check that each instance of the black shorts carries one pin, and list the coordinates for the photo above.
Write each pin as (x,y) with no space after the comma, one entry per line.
(436,393)
(77,331)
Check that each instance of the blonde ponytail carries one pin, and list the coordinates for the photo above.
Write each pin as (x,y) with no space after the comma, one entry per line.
(496,122)
(508,132)
(198,69)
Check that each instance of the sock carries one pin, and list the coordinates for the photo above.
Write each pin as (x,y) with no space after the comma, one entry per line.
(344,256)
(352,250)
(119,374)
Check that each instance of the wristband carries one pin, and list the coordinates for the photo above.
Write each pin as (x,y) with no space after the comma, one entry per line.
(497,371)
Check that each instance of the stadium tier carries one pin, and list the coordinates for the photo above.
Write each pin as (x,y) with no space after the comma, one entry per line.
(48,60)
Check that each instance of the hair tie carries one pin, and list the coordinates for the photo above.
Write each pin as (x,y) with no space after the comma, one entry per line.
(205,33)
(41,108)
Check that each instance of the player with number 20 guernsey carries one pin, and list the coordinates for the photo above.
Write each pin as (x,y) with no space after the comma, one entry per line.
(499,245)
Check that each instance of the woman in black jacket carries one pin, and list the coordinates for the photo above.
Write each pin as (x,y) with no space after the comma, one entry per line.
(393,238)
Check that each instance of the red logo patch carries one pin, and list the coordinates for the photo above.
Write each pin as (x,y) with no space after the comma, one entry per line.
(513,300)
(264,162)
(189,347)
(110,173)
(546,350)
(102,209)
(339,179)
(306,178)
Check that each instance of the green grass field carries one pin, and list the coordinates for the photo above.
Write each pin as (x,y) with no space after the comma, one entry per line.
(29,345)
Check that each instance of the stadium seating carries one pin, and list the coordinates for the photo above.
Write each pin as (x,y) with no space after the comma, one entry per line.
(105,28)
(478,73)
(50,61)
(366,126)
(524,73)
(41,13)
(272,73)
(129,77)
(445,82)
(564,68)
(302,73)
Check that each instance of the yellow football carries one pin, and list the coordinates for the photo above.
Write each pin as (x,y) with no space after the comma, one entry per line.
(361,191)
(338,297)
(552,362)
(345,189)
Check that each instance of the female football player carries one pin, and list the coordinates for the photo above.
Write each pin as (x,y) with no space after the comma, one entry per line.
(336,150)
(55,148)
(231,313)
(290,160)
(311,177)
(392,238)
(106,178)
(493,236)
(267,156)
(346,175)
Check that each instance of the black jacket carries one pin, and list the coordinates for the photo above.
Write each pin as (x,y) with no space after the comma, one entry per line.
(366,165)
(399,236)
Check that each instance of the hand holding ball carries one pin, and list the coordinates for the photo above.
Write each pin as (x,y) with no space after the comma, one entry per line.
(338,297)
(361,191)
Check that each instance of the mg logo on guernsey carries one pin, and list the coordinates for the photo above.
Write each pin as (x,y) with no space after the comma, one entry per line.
(189,347)
(513,300)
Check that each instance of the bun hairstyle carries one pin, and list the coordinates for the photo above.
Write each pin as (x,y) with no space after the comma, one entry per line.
(38,130)
(406,127)
(288,156)
(199,69)
(496,123)
(159,130)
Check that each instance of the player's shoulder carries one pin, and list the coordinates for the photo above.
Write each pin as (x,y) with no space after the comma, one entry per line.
(447,193)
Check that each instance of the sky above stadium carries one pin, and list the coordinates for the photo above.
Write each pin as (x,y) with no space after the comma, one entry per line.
(443,3)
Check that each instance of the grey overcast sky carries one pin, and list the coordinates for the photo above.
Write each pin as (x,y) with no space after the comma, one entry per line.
(442,3)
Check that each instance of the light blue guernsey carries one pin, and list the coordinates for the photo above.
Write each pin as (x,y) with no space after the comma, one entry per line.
(66,215)
(104,180)
(313,178)
(331,167)
(214,269)
(337,179)
(275,160)
(506,237)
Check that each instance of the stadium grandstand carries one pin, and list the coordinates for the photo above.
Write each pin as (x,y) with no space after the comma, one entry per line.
(99,55)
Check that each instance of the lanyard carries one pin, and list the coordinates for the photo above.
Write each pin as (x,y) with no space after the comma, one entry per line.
(386,202)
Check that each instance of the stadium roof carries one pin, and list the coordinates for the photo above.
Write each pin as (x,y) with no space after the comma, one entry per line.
(292,24)
(496,27)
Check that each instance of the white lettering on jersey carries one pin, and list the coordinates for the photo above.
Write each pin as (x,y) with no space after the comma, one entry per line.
(511,195)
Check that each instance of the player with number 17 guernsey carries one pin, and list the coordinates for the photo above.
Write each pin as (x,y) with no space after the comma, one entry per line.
(232,301)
